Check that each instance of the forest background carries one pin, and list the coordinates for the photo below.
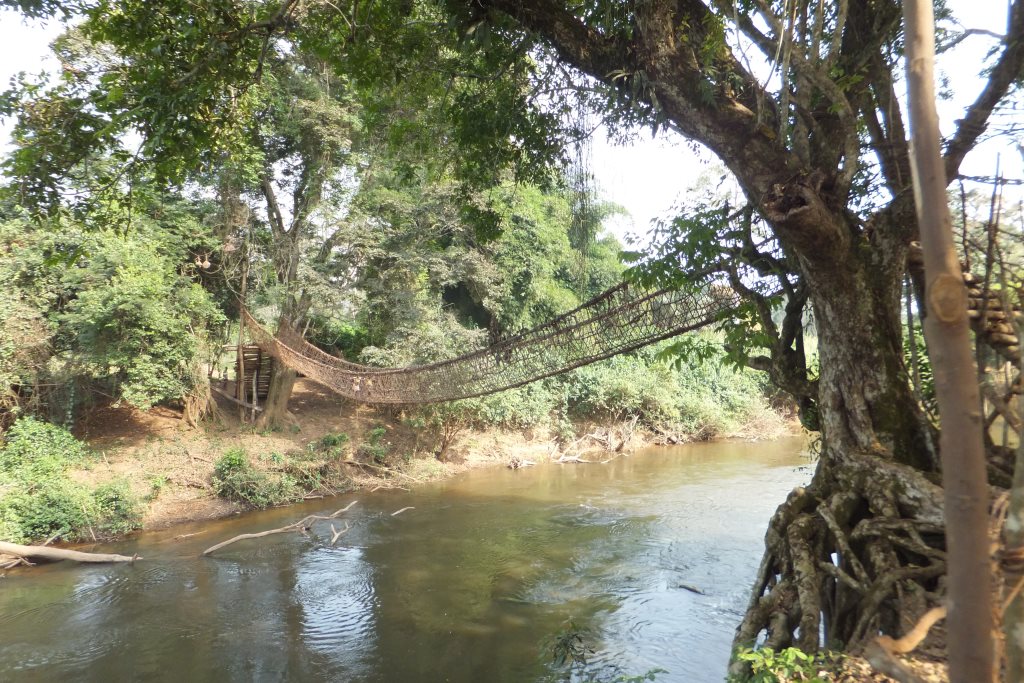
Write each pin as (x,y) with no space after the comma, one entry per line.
(332,211)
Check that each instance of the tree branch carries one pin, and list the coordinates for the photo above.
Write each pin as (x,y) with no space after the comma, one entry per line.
(273,210)
(1008,69)
(673,80)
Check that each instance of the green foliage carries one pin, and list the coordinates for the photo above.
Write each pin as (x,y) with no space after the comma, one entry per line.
(330,445)
(702,397)
(40,450)
(135,318)
(24,349)
(621,387)
(117,507)
(341,337)
(39,500)
(235,478)
(790,664)
(157,483)
(375,447)
(121,310)
(284,478)
(519,408)
(692,246)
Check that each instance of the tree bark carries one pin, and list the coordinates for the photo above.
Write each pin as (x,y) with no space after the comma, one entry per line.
(970,647)
(275,413)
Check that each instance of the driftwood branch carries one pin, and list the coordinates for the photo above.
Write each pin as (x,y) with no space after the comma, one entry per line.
(39,552)
(563,458)
(335,534)
(300,526)
(881,653)
(398,512)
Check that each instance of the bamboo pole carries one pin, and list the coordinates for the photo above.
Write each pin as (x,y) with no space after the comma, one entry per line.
(970,624)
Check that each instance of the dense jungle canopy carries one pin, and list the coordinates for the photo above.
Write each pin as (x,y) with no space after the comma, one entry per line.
(481,101)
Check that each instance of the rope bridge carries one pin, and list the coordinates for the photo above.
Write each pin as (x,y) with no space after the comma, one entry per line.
(620,320)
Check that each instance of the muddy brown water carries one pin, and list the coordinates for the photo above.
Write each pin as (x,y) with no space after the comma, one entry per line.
(473,584)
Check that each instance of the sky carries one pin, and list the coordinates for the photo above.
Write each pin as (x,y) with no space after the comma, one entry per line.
(648,176)
(651,176)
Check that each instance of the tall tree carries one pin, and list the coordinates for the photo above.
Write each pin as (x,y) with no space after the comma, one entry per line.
(303,140)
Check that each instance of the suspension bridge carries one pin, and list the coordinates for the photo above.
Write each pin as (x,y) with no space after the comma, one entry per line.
(621,319)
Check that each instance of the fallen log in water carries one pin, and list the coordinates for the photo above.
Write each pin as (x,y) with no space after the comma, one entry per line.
(42,552)
(300,526)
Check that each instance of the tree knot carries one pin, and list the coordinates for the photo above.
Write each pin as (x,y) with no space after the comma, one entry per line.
(947,297)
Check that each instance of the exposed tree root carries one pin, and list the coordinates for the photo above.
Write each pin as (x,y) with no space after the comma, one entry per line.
(885,662)
(39,552)
(913,637)
(859,552)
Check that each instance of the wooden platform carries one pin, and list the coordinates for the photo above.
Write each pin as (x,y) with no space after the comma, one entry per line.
(255,361)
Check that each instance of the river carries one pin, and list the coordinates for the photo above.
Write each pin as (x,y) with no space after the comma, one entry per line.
(472,584)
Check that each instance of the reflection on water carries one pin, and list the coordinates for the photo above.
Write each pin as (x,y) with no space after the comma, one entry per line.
(471,585)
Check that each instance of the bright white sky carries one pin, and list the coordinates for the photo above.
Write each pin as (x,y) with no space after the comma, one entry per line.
(649,176)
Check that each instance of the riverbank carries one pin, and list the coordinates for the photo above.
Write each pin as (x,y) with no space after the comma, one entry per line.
(170,466)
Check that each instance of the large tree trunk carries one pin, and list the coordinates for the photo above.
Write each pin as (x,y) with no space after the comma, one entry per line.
(275,413)
(860,550)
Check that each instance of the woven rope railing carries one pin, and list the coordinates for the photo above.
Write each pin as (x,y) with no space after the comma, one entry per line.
(620,320)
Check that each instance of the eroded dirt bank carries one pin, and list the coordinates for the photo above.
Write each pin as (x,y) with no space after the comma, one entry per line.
(170,465)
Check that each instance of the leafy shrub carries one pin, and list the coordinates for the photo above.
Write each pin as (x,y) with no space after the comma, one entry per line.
(39,449)
(375,448)
(338,336)
(53,508)
(784,666)
(136,326)
(117,507)
(624,386)
(329,445)
(235,478)
(24,349)
(38,500)
(520,408)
